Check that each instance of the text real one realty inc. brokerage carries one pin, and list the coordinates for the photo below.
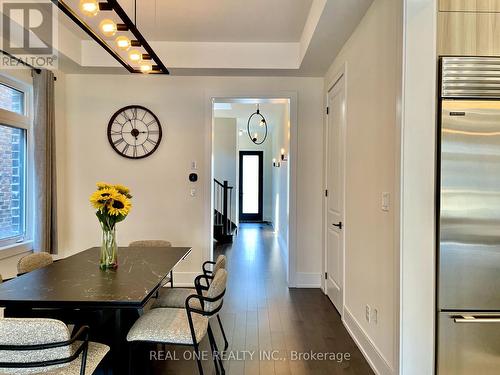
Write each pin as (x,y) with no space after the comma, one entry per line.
(248,355)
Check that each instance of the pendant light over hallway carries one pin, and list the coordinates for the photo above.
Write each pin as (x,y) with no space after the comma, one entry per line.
(262,125)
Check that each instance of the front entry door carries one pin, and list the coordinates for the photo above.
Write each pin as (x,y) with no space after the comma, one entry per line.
(251,185)
(335,195)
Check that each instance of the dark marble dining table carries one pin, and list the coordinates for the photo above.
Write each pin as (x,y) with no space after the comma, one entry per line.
(76,283)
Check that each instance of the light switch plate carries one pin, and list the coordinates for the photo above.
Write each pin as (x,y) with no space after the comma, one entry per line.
(386,201)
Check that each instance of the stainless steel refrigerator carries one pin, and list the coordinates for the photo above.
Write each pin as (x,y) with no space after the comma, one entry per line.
(468,324)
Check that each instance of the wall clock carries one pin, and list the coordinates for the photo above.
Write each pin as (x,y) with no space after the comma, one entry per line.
(134,132)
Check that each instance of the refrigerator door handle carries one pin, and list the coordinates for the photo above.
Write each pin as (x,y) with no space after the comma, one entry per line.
(477,319)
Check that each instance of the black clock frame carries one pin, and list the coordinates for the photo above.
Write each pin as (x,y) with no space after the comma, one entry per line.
(116,114)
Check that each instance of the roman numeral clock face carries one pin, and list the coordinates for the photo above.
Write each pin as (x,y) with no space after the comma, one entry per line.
(134,132)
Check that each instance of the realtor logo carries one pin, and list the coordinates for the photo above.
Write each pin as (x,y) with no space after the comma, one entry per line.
(29,33)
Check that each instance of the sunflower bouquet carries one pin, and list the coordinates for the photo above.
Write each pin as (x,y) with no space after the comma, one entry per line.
(113,204)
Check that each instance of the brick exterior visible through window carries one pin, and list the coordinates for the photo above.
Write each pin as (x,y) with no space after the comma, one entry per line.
(12,167)
(11,181)
(11,99)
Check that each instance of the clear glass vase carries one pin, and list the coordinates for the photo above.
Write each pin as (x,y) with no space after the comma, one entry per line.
(109,255)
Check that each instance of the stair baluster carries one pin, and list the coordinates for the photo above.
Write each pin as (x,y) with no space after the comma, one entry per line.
(223,217)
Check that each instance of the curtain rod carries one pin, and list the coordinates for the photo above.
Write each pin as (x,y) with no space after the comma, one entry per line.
(22,62)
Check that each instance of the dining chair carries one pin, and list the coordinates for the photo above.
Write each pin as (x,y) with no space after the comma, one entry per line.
(32,262)
(155,243)
(185,326)
(39,345)
(176,297)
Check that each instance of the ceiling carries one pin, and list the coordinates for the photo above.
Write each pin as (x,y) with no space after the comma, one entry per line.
(226,37)
(221,20)
(216,20)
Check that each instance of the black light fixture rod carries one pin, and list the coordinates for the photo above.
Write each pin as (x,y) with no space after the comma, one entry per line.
(104,6)
(125,18)
(74,17)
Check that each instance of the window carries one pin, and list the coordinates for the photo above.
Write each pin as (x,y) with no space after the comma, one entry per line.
(11,99)
(14,127)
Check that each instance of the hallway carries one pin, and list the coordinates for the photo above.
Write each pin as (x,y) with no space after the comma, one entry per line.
(261,315)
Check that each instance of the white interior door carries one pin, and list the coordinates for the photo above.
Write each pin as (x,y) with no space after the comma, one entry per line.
(335,195)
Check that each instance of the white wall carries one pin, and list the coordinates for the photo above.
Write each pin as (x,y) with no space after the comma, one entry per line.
(281,139)
(224,155)
(372,59)
(162,205)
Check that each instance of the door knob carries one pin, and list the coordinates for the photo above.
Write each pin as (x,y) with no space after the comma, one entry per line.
(338,225)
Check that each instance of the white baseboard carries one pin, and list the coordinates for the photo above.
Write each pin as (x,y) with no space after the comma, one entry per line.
(308,280)
(185,279)
(370,351)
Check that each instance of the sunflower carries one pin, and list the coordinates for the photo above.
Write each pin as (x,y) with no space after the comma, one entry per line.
(103,185)
(119,205)
(123,190)
(100,197)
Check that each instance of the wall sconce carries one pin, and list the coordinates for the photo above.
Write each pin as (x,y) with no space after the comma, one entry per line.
(284,157)
(276,164)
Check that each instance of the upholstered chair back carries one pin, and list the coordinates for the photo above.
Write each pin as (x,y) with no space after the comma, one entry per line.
(34,261)
(150,243)
(217,286)
(32,331)
(220,263)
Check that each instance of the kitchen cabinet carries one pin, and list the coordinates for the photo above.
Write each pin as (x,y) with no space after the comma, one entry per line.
(469,5)
(469,34)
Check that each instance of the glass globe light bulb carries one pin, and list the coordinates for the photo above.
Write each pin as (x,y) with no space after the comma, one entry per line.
(146,68)
(108,27)
(123,42)
(89,7)
(135,55)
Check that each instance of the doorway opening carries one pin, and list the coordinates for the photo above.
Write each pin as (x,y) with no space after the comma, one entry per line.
(251,179)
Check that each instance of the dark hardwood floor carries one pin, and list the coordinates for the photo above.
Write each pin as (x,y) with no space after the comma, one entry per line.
(262,315)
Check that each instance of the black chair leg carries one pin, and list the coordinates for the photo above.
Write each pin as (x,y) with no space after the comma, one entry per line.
(215,354)
(130,364)
(226,343)
(198,360)
(171,279)
(215,349)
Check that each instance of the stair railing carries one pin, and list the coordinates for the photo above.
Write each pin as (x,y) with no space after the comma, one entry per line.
(223,204)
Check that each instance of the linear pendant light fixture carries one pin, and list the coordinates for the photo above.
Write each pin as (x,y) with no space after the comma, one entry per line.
(122,39)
